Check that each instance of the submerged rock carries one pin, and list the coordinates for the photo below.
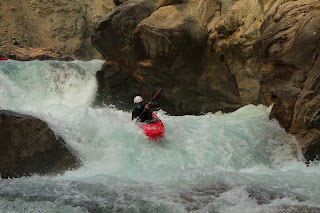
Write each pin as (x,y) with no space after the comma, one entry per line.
(22,53)
(288,50)
(28,146)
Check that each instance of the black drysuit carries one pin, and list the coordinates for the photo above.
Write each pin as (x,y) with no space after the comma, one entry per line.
(146,114)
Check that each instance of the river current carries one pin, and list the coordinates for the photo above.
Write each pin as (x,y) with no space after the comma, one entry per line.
(218,162)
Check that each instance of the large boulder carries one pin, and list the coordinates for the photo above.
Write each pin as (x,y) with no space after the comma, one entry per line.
(28,146)
(289,50)
(199,51)
(113,36)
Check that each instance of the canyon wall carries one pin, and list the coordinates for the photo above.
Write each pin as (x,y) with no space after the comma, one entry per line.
(62,25)
(199,51)
(288,52)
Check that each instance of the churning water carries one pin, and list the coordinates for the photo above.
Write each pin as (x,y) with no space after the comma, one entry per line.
(235,162)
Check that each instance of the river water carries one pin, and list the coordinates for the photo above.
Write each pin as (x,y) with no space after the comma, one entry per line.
(233,162)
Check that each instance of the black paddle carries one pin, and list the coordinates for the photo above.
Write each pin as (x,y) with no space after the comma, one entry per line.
(157,93)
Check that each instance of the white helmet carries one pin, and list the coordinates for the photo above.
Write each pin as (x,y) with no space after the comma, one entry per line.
(137,99)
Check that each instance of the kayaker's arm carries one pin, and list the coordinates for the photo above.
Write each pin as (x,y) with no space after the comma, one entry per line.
(152,105)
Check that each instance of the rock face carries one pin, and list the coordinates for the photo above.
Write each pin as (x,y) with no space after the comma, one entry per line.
(65,26)
(27,53)
(28,146)
(200,52)
(213,55)
(289,50)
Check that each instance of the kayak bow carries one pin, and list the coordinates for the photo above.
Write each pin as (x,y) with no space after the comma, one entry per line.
(155,129)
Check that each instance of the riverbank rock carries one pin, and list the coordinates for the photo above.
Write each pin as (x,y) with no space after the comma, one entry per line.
(65,26)
(22,53)
(288,50)
(199,51)
(28,146)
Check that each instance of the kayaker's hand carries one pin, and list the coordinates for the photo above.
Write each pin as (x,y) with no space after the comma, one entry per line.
(146,106)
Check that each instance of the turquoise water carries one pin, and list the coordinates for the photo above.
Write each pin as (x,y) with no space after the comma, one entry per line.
(235,162)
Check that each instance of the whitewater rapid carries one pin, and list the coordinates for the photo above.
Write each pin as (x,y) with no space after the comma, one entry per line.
(233,162)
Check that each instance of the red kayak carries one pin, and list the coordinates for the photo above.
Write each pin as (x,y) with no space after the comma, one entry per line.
(3,59)
(154,129)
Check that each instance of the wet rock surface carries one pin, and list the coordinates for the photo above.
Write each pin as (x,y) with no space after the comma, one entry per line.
(28,146)
(288,50)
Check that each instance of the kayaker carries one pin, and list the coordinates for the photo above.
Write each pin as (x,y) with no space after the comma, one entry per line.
(15,42)
(142,109)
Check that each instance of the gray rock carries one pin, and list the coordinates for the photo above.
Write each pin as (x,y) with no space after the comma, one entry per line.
(288,50)
(28,146)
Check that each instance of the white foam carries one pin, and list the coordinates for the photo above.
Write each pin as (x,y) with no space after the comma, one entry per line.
(221,162)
